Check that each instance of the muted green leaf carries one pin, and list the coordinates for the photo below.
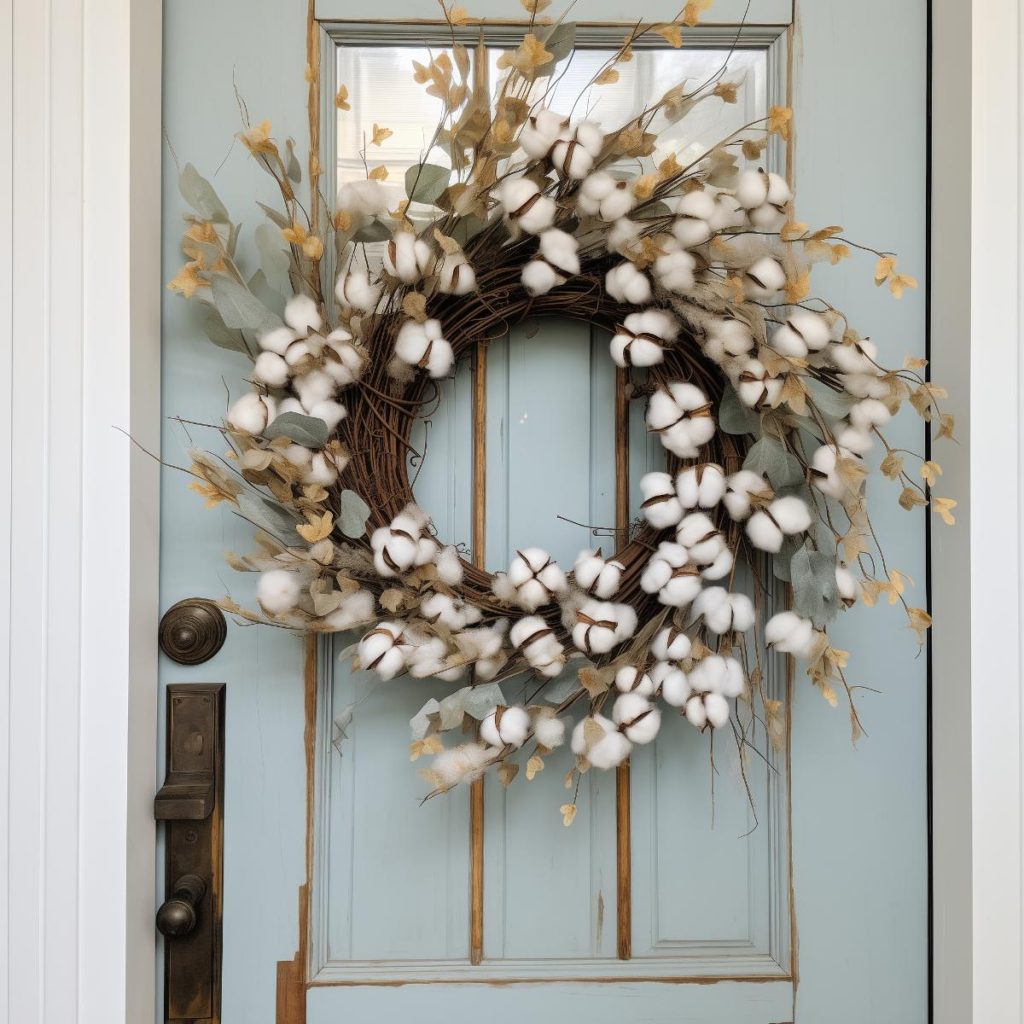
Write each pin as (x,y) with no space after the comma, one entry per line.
(815,593)
(734,417)
(200,195)
(424,183)
(375,231)
(223,336)
(559,42)
(353,515)
(769,458)
(309,431)
(239,308)
(274,261)
(269,516)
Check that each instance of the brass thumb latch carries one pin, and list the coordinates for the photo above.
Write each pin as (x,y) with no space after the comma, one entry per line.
(191,802)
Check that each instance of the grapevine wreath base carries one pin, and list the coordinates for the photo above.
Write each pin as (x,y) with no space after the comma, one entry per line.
(769,404)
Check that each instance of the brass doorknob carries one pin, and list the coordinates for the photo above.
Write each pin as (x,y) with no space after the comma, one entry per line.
(179,913)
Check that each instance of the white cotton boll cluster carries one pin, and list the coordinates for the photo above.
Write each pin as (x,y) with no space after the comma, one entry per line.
(302,314)
(641,340)
(847,585)
(764,196)
(622,236)
(790,633)
(625,284)
(763,278)
(694,214)
(464,763)
(865,385)
(252,413)
(740,489)
(868,414)
(783,517)
(384,649)
(457,277)
(727,214)
(423,345)
(535,579)
(860,442)
(680,413)
(548,731)
(363,198)
(661,506)
(859,357)
(403,544)
(407,257)
(671,644)
(451,612)
(484,647)
(756,387)
(344,363)
(525,206)
(428,656)
(574,156)
(556,262)
(701,486)
(675,269)
(278,591)
(801,333)
(601,625)
(671,576)
(506,727)
(714,680)
(824,472)
(354,290)
(539,645)
(540,133)
(672,683)
(637,717)
(606,197)
(631,679)
(728,337)
(705,546)
(724,612)
(596,575)
(608,750)
(448,565)
(355,609)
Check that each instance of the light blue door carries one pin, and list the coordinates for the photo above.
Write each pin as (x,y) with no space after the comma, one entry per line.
(807,903)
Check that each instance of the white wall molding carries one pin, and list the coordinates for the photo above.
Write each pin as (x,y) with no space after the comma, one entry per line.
(79,339)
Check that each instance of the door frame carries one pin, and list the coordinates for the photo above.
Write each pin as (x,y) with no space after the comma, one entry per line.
(76,830)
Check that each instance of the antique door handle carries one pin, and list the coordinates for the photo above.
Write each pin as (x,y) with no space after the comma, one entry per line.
(179,913)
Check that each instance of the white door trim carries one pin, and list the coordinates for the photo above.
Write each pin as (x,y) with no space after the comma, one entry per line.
(80,276)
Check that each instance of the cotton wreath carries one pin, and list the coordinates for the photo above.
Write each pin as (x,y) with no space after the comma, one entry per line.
(769,404)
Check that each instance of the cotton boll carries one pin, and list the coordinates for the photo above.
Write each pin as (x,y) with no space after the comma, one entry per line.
(457,277)
(764,278)
(673,684)
(629,349)
(270,369)
(603,196)
(724,612)
(694,212)
(670,575)
(675,271)
(301,314)
(637,717)
(252,413)
(681,415)
(332,413)
(696,713)
(701,486)
(355,291)
(596,575)
(461,764)
(791,513)
(365,198)
(860,357)
(322,470)
(630,679)
(764,532)
(857,441)
(298,455)
(622,236)
(868,414)
(382,650)
(716,711)
(865,385)
(670,644)
(571,159)
(506,727)
(661,507)
(422,346)
(344,362)
(728,337)
(609,751)
(549,731)
(789,633)
(276,340)
(767,218)
(626,284)
(823,473)
(541,131)
(536,578)
(696,528)
(739,489)
(396,547)
(538,278)
(407,257)
(560,249)
(449,566)
(525,206)
(600,626)
(356,609)
(727,213)
(756,387)
(756,189)
(802,331)
(278,591)
(847,585)
(290,404)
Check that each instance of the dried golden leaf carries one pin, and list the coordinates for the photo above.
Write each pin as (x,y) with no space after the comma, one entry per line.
(670,167)
(341,98)
(798,288)
(458,16)
(792,230)
(838,252)
(780,121)
(568,814)
(415,305)
(913,363)
(392,599)
(920,622)
(187,280)
(946,426)
(898,283)
(634,141)
(930,472)
(884,268)
(535,6)
(728,92)
(380,134)
(944,509)
(674,37)
(427,745)
(256,138)
(854,544)
(644,186)
(892,465)
(794,394)
(342,221)
(528,58)
(753,148)
(911,498)
(379,173)
(507,772)
(317,528)
(607,77)
(534,765)
(693,10)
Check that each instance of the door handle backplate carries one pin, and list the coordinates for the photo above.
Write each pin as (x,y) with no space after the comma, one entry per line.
(191,802)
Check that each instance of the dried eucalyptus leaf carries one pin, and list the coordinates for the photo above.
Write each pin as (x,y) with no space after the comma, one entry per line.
(781,560)
(270,297)
(269,516)
(834,404)
(482,700)
(815,593)
(734,417)
(424,183)
(274,260)
(375,231)
(223,336)
(768,457)
(564,686)
(353,515)
(200,195)
(275,215)
(653,211)
(466,228)
(559,42)
(292,167)
(453,710)
(420,723)
(309,431)
(239,308)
